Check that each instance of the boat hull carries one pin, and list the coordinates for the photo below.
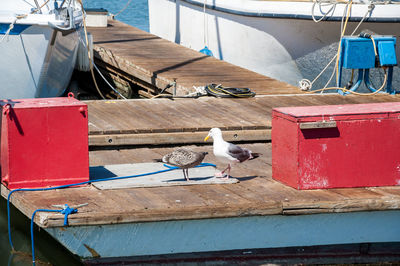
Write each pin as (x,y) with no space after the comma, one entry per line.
(288,47)
(114,241)
(37,62)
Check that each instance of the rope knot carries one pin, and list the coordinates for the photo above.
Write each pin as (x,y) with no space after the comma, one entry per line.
(67,211)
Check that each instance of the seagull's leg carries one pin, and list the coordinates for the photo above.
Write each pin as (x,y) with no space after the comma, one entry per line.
(184,174)
(229,171)
(221,174)
(187,174)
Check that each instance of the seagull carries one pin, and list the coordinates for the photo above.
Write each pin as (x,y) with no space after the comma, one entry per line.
(184,159)
(227,152)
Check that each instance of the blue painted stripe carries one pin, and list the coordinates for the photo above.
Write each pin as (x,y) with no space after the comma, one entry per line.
(18,28)
(285,15)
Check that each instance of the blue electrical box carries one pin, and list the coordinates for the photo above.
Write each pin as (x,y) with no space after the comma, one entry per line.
(387,52)
(366,52)
(358,53)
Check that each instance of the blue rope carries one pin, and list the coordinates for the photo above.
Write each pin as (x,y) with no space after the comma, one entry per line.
(32,223)
(69,210)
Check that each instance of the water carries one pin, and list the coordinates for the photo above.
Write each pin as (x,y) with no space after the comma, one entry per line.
(136,14)
(48,251)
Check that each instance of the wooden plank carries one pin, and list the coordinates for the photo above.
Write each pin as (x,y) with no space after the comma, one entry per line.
(157,62)
(256,194)
(175,138)
(129,122)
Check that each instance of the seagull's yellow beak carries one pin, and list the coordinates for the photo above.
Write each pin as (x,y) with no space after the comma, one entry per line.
(206,138)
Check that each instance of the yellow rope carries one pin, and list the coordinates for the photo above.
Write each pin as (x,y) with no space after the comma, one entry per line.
(373,43)
(361,94)
(340,42)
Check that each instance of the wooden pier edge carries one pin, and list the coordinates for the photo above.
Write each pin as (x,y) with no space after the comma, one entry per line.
(259,208)
(175,138)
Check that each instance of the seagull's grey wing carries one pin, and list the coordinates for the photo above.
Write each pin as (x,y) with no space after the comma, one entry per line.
(241,154)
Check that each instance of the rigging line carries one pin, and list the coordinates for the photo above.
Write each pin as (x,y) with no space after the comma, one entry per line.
(204,22)
(87,45)
(348,7)
(115,90)
(123,9)
(370,8)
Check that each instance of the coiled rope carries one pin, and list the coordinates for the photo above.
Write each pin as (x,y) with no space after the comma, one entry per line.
(228,92)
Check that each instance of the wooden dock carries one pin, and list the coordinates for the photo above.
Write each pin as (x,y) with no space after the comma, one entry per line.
(256,199)
(187,121)
(256,194)
(135,57)
(256,213)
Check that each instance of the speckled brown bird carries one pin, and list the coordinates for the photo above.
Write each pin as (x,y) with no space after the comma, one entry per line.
(184,159)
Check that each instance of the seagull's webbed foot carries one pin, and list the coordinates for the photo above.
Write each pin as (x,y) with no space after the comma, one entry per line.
(225,177)
(219,174)
(222,174)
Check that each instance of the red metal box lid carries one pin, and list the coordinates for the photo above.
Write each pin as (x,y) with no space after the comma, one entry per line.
(42,102)
(339,112)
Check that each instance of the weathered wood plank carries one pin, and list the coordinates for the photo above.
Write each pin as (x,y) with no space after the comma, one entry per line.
(174,138)
(157,62)
(129,122)
(256,194)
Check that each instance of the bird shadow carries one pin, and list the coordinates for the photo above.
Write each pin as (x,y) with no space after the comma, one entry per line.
(191,179)
(245,178)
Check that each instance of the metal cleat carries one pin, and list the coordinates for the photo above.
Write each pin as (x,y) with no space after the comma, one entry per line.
(67,210)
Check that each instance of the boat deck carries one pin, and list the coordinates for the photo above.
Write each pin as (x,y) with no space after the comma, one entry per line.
(133,56)
(256,193)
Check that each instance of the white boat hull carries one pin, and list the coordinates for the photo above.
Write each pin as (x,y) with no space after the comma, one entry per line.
(36,59)
(45,68)
(286,46)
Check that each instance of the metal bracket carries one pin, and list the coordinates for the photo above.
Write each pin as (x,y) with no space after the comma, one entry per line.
(318,124)
(64,206)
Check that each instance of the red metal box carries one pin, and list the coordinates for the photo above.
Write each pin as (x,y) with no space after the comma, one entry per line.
(336,146)
(44,142)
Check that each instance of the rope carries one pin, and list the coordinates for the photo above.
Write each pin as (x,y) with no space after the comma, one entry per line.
(32,238)
(205,21)
(340,41)
(115,90)
(353,92)
(67,210)
(306,84)
(322,3)
(9,29)
(205,50)
(87,45)
(123,9)
(227,92)
(199,92)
